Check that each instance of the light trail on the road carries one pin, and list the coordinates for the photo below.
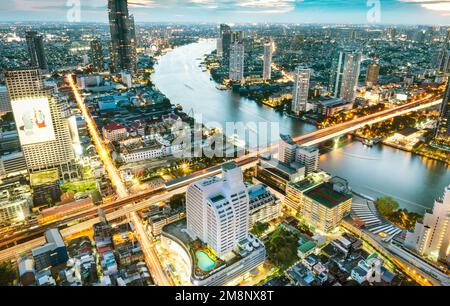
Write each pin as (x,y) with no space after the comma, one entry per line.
(159,276)
(100,146)
(151,257)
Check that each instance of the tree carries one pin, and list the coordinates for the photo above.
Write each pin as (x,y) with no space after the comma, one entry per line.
(281,248)
(7,274)
(259,228)
(386,205)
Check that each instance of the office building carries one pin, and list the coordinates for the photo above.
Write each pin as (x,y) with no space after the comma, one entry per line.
(35,44)
(52,253)
(267,68)
(324,206)
(431,237)
(39,114)
(236,72)
(218,210)
(278,175)
(345,74)
(372,73)
(97,55)
(5,102)
(263,205)
(301,90)
(442,135)
(123,38)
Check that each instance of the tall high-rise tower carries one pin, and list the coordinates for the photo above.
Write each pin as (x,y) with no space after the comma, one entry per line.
(225,40)
(43,131)
(236,72)
(217,210)
(36,51)
(346,73)
(97,55)
(443,128)
(301,90)
(122,36)
(267,69)
(372,73)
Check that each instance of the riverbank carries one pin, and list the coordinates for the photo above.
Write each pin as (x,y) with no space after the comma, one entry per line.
(374,171)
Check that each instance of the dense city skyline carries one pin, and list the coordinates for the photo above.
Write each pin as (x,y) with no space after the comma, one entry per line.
(289,11)
(241,154)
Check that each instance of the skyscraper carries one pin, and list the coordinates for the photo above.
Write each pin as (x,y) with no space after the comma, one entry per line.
(225,37)
(218,210)
(431,237)
(372,73)
(36,51)
(236,72)
(43,131)
(267,69)
(301,90)
(346,71)
(96,55)
(443,128)
(122,36)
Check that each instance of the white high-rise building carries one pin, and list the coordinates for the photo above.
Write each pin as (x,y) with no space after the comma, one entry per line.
(432,236)
(308,156)
(289,152)
(219,47)
(286,149)
(237,62)
(345,75)
(267,69)
(43,130)
(301,90)
(218,210)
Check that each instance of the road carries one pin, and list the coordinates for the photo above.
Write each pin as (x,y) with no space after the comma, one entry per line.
(99,144)
(151,258)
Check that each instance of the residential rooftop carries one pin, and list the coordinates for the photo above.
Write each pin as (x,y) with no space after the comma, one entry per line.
(324,194)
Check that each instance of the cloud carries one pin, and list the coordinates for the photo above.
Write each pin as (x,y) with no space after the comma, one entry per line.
(442,6)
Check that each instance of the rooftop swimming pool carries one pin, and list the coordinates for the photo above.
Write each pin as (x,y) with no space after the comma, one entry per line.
(205,263)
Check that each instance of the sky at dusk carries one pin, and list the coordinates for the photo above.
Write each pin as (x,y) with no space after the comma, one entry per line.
(271,11)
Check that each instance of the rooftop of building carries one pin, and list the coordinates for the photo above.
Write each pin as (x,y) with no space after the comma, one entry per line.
(113,126)
(324,194)
(408,131)
(304,184)
(283,167)
(330,102)
(287,138)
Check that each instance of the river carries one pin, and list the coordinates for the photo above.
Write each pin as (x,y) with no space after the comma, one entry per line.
(414,181)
